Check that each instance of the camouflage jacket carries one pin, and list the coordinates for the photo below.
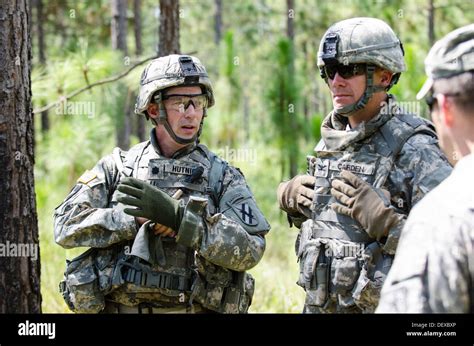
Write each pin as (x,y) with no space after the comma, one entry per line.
(434,267)
(219,235)
(418,168)
(342,268)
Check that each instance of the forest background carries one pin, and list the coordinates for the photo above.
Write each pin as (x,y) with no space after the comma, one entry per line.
(262,59)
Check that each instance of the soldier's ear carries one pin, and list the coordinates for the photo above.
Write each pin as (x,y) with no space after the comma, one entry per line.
(385,77)
(152,110)
(445,106)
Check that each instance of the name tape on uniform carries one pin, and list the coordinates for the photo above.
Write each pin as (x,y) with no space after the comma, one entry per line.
(178,169)
(323,167)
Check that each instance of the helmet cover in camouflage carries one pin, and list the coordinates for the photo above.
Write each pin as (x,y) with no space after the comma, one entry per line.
(450,56)
(362,40)
(171,71)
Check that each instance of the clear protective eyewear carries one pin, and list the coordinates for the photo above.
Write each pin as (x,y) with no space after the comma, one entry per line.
(181,102)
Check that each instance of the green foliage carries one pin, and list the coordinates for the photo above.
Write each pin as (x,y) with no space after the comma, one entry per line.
(270,102)
(282,98)
(316,122)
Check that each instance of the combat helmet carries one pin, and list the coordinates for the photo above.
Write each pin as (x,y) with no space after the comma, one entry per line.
(362,40)
(171,71)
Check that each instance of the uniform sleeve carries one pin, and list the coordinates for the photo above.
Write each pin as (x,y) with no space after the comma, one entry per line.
(234,238)
(420,168)
(431,270)
(90,216)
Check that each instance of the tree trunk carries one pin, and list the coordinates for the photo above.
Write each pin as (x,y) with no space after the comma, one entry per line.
(119,42)
(19,266)
(290,26)
(42,56)
(169,28)
(218,22)
(137,15)
(290,32)
(137,26)
(119,25)
(431,19)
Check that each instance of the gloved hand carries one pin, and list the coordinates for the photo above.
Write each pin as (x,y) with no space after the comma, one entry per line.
(296,195)
(365,204)
(151,203)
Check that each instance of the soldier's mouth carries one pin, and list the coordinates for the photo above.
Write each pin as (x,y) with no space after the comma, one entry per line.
(188,130)
(341,97)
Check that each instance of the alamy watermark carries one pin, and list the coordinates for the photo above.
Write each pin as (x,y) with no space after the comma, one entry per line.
(404,107)
(8,249)
(237,155)
(86,108)
(344,250)
(28,328)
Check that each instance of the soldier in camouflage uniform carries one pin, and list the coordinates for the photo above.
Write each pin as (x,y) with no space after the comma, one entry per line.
(170,226)
(373,163)
(434,267)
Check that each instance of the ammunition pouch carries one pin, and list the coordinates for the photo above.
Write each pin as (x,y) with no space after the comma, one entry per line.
(223,290)
(87,279)
(351,273)
(314,267)
(374,271)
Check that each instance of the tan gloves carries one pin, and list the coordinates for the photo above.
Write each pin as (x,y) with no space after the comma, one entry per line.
(296,196)
(365,204)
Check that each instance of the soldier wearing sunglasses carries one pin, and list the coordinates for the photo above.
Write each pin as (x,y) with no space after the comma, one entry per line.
(434,268)
(373,163)
(170,226)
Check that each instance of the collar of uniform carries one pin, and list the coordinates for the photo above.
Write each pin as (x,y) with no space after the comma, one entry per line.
(334,127)
(177,154)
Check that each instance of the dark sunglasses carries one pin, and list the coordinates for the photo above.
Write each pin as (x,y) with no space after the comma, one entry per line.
(345,71)
(431,99)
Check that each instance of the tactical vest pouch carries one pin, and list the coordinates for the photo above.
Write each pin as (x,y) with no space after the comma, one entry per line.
(208,295)
(238,297)
(344,273)
(313,275)
(222,290)
(80,287)
(366,291)
(318,296)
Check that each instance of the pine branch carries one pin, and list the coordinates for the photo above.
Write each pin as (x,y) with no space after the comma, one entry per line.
(90,86)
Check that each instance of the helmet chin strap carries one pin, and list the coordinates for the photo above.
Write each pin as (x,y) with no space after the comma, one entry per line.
(370,89)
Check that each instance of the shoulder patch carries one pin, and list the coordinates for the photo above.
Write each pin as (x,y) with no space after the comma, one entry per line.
(246,213)
(87,177)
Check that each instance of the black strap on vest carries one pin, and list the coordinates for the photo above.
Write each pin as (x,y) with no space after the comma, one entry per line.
(216,179)
(396,142)
(140,275)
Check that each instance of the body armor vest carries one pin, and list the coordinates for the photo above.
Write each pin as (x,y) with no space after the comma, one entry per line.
(169,280)
(326,269)
(180,275)
(371,159)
